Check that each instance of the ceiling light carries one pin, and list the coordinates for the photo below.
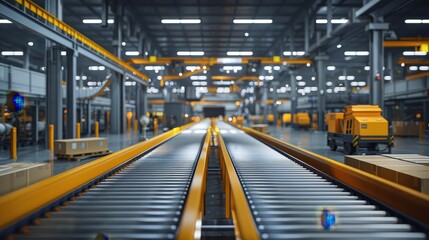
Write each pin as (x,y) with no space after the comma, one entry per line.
(387,78)
(96,68)
(246,34)
(198,77)
(350,78)
(252,21)
(159,78)
(313,78)
(154,68)
(298,77)
(199,83)
(233,68)
(329,83)
(413,68)
(240,53)
(223,82)
(294,53)
(276,68)
(333,21)
(132,53)
(424,68)
(331,68)
(356,53)
(146,53)
(308,64)
(84,77)
(92,21)
(414,53)
(124,43)
(267,68)
(192,68)
(190,53)
(367,68)
(63,53)
(301,84)
(229,60)
(30,44)
(5,21)
(111,21)
(12,53)
(416,21)
(339,46)
(180,21)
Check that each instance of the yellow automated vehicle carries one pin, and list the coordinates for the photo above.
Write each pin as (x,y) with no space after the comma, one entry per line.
(361,128)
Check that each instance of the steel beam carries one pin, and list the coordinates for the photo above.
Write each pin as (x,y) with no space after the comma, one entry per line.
(54,98)
(321,79)
(294,98)
(71,93)
(39,28)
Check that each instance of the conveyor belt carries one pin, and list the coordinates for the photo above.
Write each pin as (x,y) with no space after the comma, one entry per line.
(143,201)
(287,199)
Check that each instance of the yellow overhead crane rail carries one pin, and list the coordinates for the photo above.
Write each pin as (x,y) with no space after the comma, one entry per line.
(39,11)
(212,61)
(405,200)
(26,201)
(419,43)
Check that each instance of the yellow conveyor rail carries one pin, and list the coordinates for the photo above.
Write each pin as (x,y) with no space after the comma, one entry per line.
(236,205)
(407,201)
(39,11)
(193,212)
(24,202)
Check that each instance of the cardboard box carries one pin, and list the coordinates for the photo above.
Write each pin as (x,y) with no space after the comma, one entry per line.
(37,172)
(390,172)
(417,180)
(80,146)
(5,181)
(353,162)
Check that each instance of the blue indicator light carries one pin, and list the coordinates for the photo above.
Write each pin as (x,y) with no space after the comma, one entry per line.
(327,219)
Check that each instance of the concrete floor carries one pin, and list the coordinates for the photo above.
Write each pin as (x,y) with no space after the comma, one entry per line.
(311,140)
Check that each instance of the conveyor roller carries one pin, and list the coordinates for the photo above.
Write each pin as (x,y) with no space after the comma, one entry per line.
(287,199)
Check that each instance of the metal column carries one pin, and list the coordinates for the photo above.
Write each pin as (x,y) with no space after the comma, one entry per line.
(71,93)
(116,104)
(275,106)
(26,64)
(34,123)
(141,101)
(88,117)
(321,79)
(293,95)
(376,80)
(264,102)
(54,98)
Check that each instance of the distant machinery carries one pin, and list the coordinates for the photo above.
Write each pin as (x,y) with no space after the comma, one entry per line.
(360,127)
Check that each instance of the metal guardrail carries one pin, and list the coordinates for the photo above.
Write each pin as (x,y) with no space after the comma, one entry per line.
(65,28)
(191,219)
(16,206)
(407,201)
(236,205)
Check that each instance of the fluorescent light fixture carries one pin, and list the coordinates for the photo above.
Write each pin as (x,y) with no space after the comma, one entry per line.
(190,53)
(330,68)
(341,78)
(268,68)
(252,21)
(413,68)
(132,53)
(246,34)
(192,68)
(424,68)
(223,83)
(294,53)
(367,68)
(329,83)
(350,78)
(229,60)
(96,68)
(276,68)
(333,21)
(92,21)
(266,78)
(329,90)
(180,21)
(198,77)
(301,84)
(5,21)
(387,78)
(223,90)
(416,21)
(124,43)
(356,53)
(299,77)
(313,89)
(313,78)
(239,53)
(339,46)
(232,68)
(30,44)
(197,83)
(111,21)
(154,68)
(12,53)
(414,53)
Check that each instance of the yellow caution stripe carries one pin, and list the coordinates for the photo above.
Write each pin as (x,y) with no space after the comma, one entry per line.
(356,141)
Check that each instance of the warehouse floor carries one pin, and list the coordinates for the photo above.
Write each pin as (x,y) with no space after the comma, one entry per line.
(311,140)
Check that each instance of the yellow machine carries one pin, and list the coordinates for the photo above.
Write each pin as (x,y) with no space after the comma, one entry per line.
(286,118)
(302,120)
(359,127)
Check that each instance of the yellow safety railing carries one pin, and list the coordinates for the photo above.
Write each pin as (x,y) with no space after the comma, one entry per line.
(191,220)
(21,203)
(236,205)
(39,11)
(403,199)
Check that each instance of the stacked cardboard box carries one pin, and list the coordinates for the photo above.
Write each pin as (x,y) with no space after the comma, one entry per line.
(261,128)
(406,173)
(14,176)
(414,158)
(80,146)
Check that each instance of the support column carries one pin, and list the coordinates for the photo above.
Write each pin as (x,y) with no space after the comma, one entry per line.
(88,117)
(376,46)
(329,18)
(115,103)
(141,101)
(264,102)
(54,98)
(293,92)
(26,64)
(123,113)
(321,79)
(71,93)
(34,123)
(275,107)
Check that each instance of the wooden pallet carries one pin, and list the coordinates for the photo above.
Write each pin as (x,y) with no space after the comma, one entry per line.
(81,156)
